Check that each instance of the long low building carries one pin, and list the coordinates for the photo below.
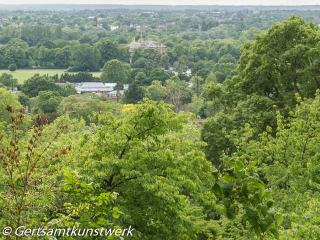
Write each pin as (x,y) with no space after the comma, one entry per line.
(89,87)
(111,86)
(98,88)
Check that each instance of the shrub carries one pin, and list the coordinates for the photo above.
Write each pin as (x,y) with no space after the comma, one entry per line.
(12,67)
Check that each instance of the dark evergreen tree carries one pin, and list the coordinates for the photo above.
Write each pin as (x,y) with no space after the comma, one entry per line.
(134,94)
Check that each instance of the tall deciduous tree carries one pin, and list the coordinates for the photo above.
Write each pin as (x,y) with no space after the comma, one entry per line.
(48,101)
(108,49)
(281,62)
(26,166)
(289,163)
(84,105)
(7,98)
(159,75)
(178,93)
(8,80)
(156,92)
(140,156)
(86,58)
(63,57)
(37,83)
(141,78)
(134,94)
(197,83)
(113,72)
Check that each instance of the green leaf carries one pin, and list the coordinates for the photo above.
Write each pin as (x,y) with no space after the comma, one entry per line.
(244,220)
(252,217)
(231,212)
(216,189)
(269,220)
(268,195)
(116,215)
(264,210)
(275,232)
(279,219)
(230,171)
(67,173)
(244,190)
(256,198)
(227,203)
(227,188)
(254,163)
(261,189)
(264,226)
(215,173)
(239,165)
(270,203)
(227,178)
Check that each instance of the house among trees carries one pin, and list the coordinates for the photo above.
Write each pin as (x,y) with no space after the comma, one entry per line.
(114,27)
(115,95)
(100,88)
(111,86)
(146,44)
(90,87)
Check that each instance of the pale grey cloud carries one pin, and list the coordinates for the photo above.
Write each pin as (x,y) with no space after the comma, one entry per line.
(170,2)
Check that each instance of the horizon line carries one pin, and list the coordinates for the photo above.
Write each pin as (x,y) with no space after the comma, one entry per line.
(226,5)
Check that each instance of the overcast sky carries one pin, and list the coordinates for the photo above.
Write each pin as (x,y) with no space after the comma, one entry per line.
(168,2)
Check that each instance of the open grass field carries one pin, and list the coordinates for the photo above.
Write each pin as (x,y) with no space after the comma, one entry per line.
(23,74)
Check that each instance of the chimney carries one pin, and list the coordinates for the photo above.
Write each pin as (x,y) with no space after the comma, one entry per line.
(27,109)
(133,39)
(159,45)
(118,96)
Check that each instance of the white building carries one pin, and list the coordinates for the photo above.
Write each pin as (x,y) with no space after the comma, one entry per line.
(113,27)
(110,86)
(114,93)
(90,87)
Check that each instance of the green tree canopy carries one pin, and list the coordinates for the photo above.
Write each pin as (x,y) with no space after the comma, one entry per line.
(281,62)
(158,74)
(37,83)
(48,101)
(23,99)
(67,90)
(288,161)
(113,72)
(141,78)
(8,80)
(86,58)
(63,57)
(7,98)
(156,92)
(12,67)
(145,161)
(134,94)
(108,49)
(84,105)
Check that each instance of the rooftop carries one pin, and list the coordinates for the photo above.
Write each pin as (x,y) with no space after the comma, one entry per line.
(91,87)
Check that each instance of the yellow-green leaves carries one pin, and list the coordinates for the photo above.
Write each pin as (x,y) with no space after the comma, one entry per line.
(238,187)
(161,177)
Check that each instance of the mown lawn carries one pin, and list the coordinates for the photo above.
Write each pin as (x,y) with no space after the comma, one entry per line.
(24,74)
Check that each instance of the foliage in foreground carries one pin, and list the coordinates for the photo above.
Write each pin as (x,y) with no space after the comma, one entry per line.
(135,169)
(288,163)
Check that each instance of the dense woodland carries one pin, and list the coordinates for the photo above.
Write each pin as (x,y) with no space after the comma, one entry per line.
(251,171)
